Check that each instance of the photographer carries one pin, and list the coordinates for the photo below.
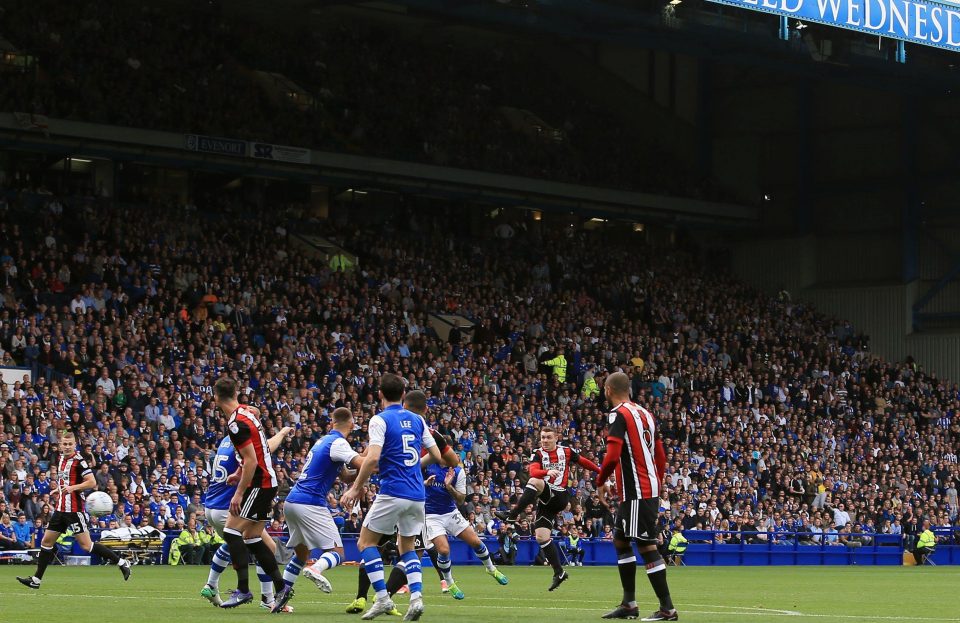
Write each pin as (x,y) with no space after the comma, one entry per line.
(507,554)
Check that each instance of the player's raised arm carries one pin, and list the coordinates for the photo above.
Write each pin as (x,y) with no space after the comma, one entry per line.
(274,442)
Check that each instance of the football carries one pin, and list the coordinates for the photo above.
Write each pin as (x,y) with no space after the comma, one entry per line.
(99,503)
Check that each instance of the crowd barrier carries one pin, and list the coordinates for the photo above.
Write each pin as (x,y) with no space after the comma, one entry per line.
(712,548)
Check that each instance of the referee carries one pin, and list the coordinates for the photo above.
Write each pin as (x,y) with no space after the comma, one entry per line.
(636,458)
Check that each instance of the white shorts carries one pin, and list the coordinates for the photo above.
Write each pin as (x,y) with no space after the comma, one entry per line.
(441,525)
(217,519)
(312,526)
(389,513)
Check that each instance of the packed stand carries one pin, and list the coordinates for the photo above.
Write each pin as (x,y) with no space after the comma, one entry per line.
(365,90)
(776,419)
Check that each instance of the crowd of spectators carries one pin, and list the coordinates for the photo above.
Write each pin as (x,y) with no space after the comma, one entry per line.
(774,417)
(359,88)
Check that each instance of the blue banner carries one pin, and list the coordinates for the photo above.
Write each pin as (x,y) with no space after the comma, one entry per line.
(916,21)
(214,145)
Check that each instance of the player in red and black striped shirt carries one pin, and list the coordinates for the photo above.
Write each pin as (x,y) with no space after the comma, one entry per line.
(636,457)
(74,478)
(549,469)
(253,501)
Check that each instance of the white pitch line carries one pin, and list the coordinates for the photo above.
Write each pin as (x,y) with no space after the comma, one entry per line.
(766,613)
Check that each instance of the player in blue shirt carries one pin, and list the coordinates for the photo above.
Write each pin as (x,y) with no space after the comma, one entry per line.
(396,438)
(224,471)
(309,520)
(415,401)
(445,489)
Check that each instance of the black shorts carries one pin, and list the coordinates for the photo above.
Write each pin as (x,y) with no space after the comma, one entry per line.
(637,519)
(550,504)
(418,543)
(74,522)
(257,504)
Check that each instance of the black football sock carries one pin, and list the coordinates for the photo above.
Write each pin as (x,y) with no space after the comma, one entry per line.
(627,566)
(432,553)
(47,555)
(397,579)
(657,574)
(239,557)
(528,497)
(105,553)
(363,583)
(267,560)
(549,550)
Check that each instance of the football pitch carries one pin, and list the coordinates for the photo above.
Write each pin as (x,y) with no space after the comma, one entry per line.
(716,594)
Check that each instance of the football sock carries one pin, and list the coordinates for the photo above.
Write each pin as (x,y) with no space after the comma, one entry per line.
(266,561)
(432,553)
(239,557)
(374,565)
(397,579)
(221,558)
(627,566)
(411,564)
(528,497)
(484,555)
(267,589)
(105,552)
(329,560)
(47,554)
(553,556)
(292,571)
(444,566)
(657,574)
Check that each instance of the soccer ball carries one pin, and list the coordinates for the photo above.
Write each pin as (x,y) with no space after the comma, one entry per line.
(99,503)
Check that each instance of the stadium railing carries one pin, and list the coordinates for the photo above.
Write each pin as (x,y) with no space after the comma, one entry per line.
(713,548)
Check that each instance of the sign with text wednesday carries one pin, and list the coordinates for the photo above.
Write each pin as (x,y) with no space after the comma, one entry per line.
(926,22)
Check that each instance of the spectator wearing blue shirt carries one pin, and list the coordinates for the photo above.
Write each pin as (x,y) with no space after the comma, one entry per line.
(22,530)
(7,538)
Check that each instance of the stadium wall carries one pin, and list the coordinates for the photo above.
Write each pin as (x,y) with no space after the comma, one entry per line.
(809,268)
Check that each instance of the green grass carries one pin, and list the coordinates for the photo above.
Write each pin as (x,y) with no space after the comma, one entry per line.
(717,595)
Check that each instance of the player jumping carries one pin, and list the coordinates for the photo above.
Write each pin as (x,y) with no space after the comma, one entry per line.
(549,471)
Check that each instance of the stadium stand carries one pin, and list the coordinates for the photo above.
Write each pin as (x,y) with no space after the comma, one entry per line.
(135,65)
(777,420)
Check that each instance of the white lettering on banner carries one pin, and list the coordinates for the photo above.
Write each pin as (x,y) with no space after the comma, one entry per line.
(920,21)
(935,14)
(794,9)
(927,22)
(950,16)
(897,16)
(866,14)
(852,9)
(834,4)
